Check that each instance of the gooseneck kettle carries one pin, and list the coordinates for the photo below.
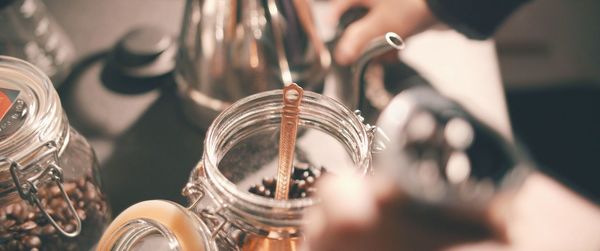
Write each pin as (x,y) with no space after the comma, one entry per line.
(229,49)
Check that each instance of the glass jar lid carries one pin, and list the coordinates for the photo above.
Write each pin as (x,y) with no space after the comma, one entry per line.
(31,120)
(157,225)
(30,110)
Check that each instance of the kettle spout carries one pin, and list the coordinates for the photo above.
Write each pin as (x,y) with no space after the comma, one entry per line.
(389,42)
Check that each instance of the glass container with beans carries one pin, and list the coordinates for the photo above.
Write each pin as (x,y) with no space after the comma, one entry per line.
(231,190)
(50,196)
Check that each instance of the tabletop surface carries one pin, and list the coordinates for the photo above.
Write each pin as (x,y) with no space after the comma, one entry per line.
(145,147)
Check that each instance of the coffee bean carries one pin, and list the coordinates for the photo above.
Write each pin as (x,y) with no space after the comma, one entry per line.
(253,189)
(76,194)
(69,227)
(69,187)
(13,228)
(35,231)
(268,182)
(295,186)
(8,223)
(302,184)
(6,236)
(24,227)
(28,225)
(81,183)
(32,241)
(81,214)
(48,230)
(14,210)
(98,207)
(304,176)
(261,189)
(90,194)
(58,203)
(54,191)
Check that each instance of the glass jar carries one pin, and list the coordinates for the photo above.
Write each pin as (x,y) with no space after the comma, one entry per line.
(240,149)
(50,196)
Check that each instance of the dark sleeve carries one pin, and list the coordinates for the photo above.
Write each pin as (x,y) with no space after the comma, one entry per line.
(477,19)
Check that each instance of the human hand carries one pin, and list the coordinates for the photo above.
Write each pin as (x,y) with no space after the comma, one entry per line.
(404,17)
(359,214)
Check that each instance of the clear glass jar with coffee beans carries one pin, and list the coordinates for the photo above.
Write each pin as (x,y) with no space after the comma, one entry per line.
(231,189)
(50,195)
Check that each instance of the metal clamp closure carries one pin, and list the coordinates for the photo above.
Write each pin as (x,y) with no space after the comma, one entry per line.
(216,219)
(28,188)
(195,191)
(378,140)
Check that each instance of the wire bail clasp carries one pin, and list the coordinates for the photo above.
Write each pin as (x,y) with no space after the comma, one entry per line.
(28,188)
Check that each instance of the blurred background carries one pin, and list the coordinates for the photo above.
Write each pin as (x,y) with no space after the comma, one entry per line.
(549,55)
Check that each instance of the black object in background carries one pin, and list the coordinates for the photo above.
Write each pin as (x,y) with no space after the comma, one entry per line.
(561,127)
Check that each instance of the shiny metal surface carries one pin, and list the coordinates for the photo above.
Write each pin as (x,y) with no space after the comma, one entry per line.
(230,49)
(292,96)
(353,95)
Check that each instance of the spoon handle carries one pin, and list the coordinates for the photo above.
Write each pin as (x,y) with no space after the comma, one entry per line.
(292,96)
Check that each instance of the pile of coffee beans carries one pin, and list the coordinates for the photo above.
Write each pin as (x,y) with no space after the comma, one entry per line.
(304,177)
(24,227)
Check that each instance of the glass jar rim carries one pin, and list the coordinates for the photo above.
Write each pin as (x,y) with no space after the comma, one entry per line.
(178,226)
(43,106)
(211,144)
(45,124)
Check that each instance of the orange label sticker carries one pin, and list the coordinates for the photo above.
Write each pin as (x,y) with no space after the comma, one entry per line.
(7,98)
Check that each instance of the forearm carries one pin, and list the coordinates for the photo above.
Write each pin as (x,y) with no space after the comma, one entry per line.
(477,19)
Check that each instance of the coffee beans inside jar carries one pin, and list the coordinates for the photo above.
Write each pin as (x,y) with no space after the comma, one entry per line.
(24,227)
(304,178)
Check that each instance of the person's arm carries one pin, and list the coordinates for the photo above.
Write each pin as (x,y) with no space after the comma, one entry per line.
(477,19)
(474,18)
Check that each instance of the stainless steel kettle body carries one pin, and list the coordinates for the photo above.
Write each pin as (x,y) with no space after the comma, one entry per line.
(230,49)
